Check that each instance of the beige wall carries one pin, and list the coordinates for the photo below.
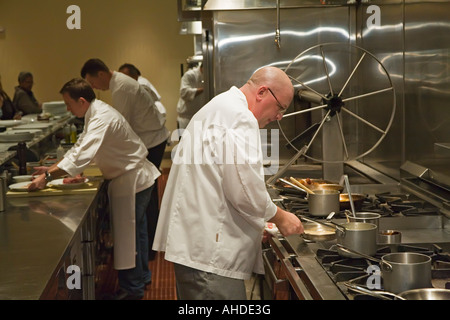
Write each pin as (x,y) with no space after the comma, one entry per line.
(142,32)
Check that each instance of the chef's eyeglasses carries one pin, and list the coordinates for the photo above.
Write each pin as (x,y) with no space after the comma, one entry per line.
(281,110)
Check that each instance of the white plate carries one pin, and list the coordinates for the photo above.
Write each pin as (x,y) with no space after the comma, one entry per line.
(21,186)
(10,123)
(58,183)
(23,178)
(34,125)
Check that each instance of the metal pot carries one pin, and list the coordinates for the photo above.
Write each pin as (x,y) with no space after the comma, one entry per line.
(357,236)
(401,271)
(389,237)
(322,202)
(367,217)
(409,270)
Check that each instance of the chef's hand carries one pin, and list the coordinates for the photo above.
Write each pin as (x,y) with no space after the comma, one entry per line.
(38,183)
(39,170)
(287,222)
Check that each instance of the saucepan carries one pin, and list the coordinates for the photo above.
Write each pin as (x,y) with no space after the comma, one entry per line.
(415,294)
(356,235)
(401,271)
(368,217)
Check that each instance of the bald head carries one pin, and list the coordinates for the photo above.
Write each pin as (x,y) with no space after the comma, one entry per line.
(269,93)
(272,77)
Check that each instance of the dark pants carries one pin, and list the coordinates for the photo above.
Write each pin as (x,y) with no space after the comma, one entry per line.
(155,156)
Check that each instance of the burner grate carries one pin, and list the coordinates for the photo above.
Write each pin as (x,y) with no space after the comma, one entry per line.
(341,269)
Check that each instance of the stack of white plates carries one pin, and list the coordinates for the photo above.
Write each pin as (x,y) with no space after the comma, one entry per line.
(56,108)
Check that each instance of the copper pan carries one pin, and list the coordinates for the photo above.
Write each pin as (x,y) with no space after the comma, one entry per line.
(319,184)
(357,198)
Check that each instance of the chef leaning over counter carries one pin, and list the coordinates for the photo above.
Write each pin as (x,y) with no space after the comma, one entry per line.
(109,141)
(213,213)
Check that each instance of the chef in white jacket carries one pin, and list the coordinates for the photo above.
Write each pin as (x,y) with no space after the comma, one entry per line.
(215,204)
(131,70)
(138,106)
(192,96)
(108,141)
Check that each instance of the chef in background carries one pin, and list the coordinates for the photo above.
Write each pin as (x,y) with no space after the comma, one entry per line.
(108,141)
(135,103)
(154,156)
(24,99)
(131,70)
(215,203)
(192,97)
(7,109)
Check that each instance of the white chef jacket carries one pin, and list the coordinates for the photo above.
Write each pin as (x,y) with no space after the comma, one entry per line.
(214,209)
(155,94)
(188,103)
(135,103)
(108,141)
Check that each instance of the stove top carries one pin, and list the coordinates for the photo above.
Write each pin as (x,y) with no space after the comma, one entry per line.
(386,204)
(358,271)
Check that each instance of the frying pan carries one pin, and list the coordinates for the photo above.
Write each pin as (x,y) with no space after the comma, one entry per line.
(319,231)
(414,294)
(357,198)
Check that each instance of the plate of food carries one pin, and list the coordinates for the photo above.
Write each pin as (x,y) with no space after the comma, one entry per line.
(69,183)
(20,186)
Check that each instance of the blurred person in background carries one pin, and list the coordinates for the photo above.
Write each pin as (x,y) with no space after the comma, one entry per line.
(131,70)
(191,98)
(24,99)
(7,108)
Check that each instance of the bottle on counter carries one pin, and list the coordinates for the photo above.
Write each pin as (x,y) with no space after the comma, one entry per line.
(73,133)
(66,132)
(60,152)
(22,157)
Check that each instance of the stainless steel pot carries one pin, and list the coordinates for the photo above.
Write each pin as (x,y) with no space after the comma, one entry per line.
(322,202)
(357,236)
(389,237)
(367,217)
(401,271)
(410,270)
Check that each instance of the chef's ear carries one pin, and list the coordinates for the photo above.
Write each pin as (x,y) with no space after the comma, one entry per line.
(260,92)
(82,100)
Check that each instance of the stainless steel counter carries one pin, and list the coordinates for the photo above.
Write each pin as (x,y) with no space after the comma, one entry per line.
(35,233)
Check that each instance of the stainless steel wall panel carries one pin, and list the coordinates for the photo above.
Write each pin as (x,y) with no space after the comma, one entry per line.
(385,42)
(427,83)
